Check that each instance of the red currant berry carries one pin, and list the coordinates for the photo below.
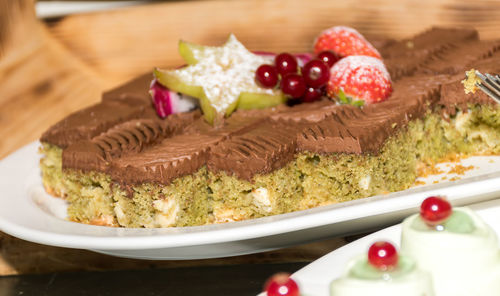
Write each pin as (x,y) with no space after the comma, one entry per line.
(316,73)
(312,94)
(285,63)
(266,76)
(383,255)
(293,85)
(328,57)
(281,285)
(435,209)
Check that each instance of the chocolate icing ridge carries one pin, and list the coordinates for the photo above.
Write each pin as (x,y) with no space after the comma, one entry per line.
(453,61)
(305,113)
(238,123)
(127,137)
(91,121)
(405,57)
(267,147)
(85,156)
(174,157)
(429,41)
(329,136)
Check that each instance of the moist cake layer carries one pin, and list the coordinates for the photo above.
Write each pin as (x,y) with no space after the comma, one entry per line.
(245,162)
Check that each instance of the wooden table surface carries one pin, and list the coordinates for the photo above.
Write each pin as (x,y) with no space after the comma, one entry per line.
(50,68)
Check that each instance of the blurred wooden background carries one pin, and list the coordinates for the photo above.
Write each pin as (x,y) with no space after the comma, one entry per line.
(49,68)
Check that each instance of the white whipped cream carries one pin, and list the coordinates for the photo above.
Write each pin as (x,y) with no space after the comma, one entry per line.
(461,264)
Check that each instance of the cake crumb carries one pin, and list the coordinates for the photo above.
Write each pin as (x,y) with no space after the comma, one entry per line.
(460,169)
(426,169)
(455,178)
(103,220)
(491,161)
(470,81)
(444,178)
(435,182)
(419,182)
(429,167)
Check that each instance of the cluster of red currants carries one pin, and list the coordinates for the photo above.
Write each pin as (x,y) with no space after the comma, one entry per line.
(306,84)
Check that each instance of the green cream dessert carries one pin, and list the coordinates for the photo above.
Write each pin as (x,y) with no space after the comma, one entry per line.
(456,247)
(383,272)
(445,251)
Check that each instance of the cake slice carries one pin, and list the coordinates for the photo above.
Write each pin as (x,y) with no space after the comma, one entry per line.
(118,164)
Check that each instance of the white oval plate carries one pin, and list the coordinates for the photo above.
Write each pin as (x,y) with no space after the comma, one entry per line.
(27,212)
(315,278)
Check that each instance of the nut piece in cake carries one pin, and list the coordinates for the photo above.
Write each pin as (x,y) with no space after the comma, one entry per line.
(470,81)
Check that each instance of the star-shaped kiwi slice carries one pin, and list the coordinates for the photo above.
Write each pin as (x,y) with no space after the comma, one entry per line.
(222,78)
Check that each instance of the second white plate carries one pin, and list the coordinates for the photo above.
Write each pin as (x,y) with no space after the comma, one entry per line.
(27,212)
(315,278)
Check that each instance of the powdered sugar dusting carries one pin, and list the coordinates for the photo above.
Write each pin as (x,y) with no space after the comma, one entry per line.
(361,77)
(361,65)
(224,72)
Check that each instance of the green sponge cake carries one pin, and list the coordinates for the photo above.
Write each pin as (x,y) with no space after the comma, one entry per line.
(147,156)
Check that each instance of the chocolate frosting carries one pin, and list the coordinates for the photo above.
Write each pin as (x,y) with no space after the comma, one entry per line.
(94,120)
(123,137)
(134,89)
(405,57)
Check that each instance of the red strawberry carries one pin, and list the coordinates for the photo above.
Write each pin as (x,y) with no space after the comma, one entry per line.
(359,80)
(344,41)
